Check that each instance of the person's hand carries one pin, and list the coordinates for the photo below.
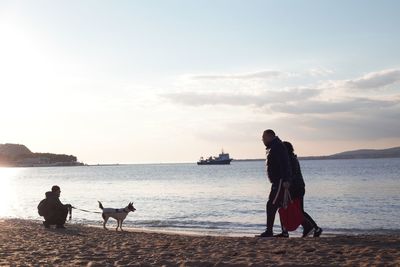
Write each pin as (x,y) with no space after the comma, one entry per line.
(286,185)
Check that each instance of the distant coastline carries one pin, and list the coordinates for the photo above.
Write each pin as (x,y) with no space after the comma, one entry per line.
(17,155)
(393,152)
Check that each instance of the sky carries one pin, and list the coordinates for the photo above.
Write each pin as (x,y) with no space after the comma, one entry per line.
(170,81)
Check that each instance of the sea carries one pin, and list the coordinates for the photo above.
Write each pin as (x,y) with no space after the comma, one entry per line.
(355,196)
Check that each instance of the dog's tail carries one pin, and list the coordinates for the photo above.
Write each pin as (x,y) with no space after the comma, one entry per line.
(100,205)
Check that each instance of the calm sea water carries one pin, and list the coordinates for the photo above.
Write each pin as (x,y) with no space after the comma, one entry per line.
(343,196)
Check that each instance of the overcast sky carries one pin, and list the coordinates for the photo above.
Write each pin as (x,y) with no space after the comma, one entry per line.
(170,81)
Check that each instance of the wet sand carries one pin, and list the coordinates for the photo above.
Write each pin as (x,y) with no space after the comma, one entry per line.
(24,242)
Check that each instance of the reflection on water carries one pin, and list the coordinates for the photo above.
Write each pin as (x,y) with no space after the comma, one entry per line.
(340,194)
(8,191)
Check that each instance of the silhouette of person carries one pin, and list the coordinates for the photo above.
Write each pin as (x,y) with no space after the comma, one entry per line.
(53,211)
(279,174)
(297,190)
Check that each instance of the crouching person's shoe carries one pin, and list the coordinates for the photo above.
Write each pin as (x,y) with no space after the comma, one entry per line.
(46,224)
(60,226)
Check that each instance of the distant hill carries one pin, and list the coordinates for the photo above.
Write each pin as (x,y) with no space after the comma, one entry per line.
(13,150)
(362,154)
(393,152)
(17,155)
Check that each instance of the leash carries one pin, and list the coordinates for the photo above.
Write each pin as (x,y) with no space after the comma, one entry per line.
(98,212)
(72,207)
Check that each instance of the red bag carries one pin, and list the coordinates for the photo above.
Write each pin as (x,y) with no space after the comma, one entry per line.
(291,214)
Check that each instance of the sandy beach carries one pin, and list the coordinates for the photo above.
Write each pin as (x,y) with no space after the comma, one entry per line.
(24,242)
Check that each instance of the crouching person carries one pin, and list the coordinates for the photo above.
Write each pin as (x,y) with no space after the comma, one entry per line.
(53,211)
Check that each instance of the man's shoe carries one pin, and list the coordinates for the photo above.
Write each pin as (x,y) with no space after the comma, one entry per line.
(265,234)
(283,234)
(46,225)
(317,232)
(60,226)
(307,230)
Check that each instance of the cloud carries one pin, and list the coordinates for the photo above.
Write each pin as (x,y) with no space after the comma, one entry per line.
(326,112)
(320,72)
(241,99)
(375,79)
(292,101)
(264,74)
(326,107)
(363,125)
(320,107)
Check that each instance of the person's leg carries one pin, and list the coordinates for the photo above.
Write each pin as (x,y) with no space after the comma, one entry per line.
(311,222)
(307,226)
(271,209)
(284,232)
(61,217)
(309,219)
(305,214)
(47,221)
(50,219)
(271,212)
(274,200)
(283,227)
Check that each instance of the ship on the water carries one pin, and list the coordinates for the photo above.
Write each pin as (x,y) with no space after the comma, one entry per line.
(222,159)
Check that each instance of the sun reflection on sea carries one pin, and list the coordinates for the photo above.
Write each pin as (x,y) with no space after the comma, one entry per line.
(8,193)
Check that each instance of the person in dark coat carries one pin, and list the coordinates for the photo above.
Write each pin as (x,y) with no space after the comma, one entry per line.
(279,174)
(297,190)
(54,212)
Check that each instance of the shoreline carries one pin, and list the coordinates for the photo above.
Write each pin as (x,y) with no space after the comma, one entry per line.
(27,242)
(215,232)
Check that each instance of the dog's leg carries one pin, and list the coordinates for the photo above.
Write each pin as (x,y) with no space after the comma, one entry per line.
(120,226)
(105,218)
(117,225)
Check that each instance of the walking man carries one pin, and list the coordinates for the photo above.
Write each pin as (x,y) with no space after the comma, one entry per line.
(279,173)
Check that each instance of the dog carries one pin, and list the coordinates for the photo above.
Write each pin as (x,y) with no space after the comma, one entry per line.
(118,214)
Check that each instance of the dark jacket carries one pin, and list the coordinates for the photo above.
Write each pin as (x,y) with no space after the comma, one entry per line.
(297,187)
(297,177)
(278,165)
(53,202)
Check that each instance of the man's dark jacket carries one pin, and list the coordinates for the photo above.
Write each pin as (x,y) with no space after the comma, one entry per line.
(278,164)
(53,204)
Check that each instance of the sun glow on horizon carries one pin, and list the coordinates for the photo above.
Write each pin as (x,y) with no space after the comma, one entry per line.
(8,191)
